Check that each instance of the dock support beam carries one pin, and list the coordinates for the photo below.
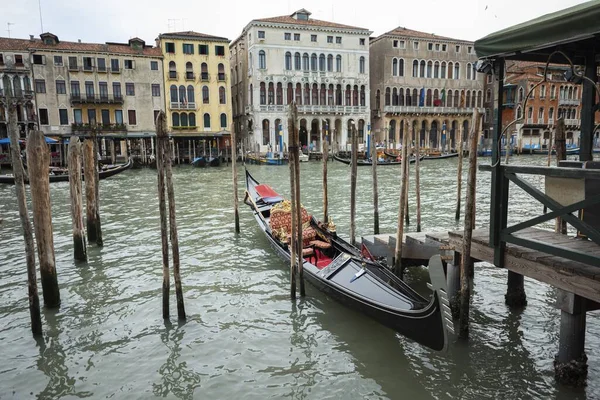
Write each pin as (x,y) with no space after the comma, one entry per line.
(515,296)
(570,364)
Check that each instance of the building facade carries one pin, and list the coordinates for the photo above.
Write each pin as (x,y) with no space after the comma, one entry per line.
(197,83)
(321,66)
(427,81)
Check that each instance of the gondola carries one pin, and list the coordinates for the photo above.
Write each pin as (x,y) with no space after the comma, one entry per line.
(347,274)
(199,162)
(62,175)
(440,156)
(366,163)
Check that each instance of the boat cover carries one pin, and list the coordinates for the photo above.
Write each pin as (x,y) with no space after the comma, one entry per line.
(267,194)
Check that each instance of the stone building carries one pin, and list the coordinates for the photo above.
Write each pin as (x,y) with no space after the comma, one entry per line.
(322,66)
(426,80)
(197,84)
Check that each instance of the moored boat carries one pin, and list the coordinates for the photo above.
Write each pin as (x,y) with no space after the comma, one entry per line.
(199,161)
(366,163)
(62,175)
(342,271)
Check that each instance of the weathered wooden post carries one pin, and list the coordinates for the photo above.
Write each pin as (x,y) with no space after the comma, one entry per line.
(161,150)
(459,173)
(325,198)
(407,175)
(417,181)
(375,191)
(353,186)
(38,161)
(90,152)
(299,232)
(292,152)
(234,171)
(17,165)
(398,268)
(570,364)
(466,271)
(561,154)
(79,245)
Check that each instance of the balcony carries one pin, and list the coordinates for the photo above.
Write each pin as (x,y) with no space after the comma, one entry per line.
(310,109)
(572,122)
(221,76)
(190,76)
(173,76)
(100,127)
(27,94)
(429,110)
(184,128)
(74,67)
(204,76)
(96,99)
(179,105)
(568,102)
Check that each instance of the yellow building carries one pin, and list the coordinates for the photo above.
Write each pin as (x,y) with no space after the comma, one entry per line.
(197,93)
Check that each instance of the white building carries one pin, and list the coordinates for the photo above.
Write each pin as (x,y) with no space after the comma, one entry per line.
(322,66)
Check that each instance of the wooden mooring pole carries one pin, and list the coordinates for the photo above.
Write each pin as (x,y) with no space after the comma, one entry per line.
(79,244)
(375,191)
(417,180)
(292,152)
(353,186)
(300,245)
(234,172)
(459,173)
(407,175)
(398,268)
(38,161)
(325,196)
(90,158)
(466,272)
(561,154)
(17,166)
(161,150)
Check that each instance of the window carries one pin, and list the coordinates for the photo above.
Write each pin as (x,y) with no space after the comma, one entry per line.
(205,95)
(330,63)
(154,65)
(40,86)
(416,45)
(44,116)
(88,63)
(444,47)
(222,96)
(338,39)
(297,37)
(39,59)
(114,64)
(361,41)
(204,71)
(117,90)
(18,60)
(437,47)
(457,49)
(361,65)
(58,61)
(63,116)
(261,34)
(101,64)
(395,43)
(207,120)
(456,71)
(61,87)
(329,39)
(288,61)
(103,89)
(297,62)
(223,120)
(313,38)
(156,90)
(75,89)
(72,62)
(469,50)
(305,62)
(188,48)
(170,47)
(220,50)
(89,89)
(322,62)
(131,117)
(119,116)
(203,49)
(338,63)
(130,89)
(262,60)
(77,116)
(91,115)
(129,64)
(313,62)
(287,36)
(221,72)
(430,46)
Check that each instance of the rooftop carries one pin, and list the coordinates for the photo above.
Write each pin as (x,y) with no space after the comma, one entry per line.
(192,35)
(302,17)
(410,33)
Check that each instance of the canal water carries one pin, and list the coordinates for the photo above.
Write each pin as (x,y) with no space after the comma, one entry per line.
(244,338)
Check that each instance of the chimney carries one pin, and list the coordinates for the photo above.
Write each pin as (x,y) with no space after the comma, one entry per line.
(31,37)
(78,40)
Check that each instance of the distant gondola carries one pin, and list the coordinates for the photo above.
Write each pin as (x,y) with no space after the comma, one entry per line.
(366,163)
(199,162)
(62,175)
(439,156)
(341,271)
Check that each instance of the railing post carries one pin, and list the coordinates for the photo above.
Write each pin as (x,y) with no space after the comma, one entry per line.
(496,201)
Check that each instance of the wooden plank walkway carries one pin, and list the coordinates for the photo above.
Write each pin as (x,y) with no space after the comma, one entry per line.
(575,277)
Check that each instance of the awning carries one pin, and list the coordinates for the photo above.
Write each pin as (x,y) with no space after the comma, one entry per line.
(576,28)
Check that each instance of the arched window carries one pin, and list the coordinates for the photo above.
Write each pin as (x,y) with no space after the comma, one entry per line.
(330,95)
(394,97)
(204,72)
(27,83)
(469,71)
(305,62)
(330,63)
(401,67)
(387,96)
(436,98)
(323,97)
(250,95)
(206,120)
(408,101)
(457,99)
(474,73)
(266,132)
(279,94)
(297,62)
(338,95)
(338,63)
(221,72)
(415,73)
(552,92)
(519,112)
(271,93)
(562,92)
(449,102)
(429,69)
(355,96)
(378,100)
(468,100)
(189,70)
(415,97)
(322,62)
(262,60)
(174,95)
(290,93)
(184,119)
(222,97)
(175,118)
(348,95)
(192,119)
(456,71)
(392,131)
(401,97)
(315,94)
(428,102)
(205,95)
(313,62)
(288,61)
(361,65)
(541,115)
(298,94)
(172,70)
(450,70)
(395,67)
(551,115)
(436,70)
(479,95)
(443,70)
(422,69)
(190,94)
(521,94)
(182,96)
(223,120)
(488,95)
(263,94)
(307,94)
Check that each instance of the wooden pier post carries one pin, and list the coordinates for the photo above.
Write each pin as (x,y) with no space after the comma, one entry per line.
(161,151)
(561,154)
(292,152)
(353,186)
(453,284)
(79,244)
(325,197)
(417,181)
(173,235)
(375,190)
(234,172)
(17,165)
(466,272)
(570,364)
(459,173)
(38,161)
(90,161)
(398,268)
(407,174)
(300,245)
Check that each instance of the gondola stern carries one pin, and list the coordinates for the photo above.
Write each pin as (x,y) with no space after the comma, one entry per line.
(440,299)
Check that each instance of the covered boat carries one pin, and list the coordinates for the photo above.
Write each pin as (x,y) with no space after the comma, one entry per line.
(366,163)
(351,276)
(62,174)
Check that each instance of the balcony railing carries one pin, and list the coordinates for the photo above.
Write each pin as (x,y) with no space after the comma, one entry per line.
(568,102)
(430,110)
(88,68)
(204,76)
(102,69)
(309,109)
(75,127)
(221,76)
(190,76)
(74,67)
(28,94)
(97,99)
(115,70)
(182,128)
(572,122)
(179,105)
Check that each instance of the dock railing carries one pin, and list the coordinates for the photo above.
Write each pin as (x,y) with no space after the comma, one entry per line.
(501,233)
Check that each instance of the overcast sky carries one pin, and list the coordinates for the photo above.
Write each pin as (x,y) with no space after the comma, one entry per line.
(119,20)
